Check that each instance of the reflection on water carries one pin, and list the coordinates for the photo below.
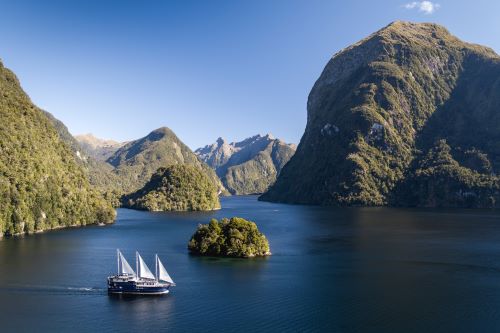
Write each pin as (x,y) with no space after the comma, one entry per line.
(157,312)
(332,269)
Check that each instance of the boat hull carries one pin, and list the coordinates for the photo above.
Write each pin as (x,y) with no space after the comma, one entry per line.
(134,288)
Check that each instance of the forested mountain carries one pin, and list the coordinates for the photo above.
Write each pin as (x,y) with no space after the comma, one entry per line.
(138,160)
(42,186)
(408,116)
(180,187)
(249,166)
(99,173)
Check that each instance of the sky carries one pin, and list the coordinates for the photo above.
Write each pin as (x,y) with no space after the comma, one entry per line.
(205,69)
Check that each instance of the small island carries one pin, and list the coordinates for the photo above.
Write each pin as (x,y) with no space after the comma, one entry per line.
(179,187)
(234,237)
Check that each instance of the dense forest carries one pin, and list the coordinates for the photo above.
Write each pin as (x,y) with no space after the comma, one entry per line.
(42,186)
(179,187)
(234,237)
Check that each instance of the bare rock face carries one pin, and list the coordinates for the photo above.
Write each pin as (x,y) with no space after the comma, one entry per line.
(216,154)
(384,108)
(249,166)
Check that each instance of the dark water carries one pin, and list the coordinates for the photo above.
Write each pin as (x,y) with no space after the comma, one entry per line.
(334,270)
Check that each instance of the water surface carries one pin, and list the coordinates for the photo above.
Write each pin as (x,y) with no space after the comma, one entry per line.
(332,269)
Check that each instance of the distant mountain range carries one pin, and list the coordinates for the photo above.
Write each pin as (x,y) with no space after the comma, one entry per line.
(408,116)
(249,166)
(100,149)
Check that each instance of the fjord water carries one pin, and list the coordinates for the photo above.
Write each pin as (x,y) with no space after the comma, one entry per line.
(332,269)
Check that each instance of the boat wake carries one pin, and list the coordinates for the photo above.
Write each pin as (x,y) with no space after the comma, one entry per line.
(68,290)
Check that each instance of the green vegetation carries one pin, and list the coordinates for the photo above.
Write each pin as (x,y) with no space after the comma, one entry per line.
(378,114)
(42,186)
(132,164)
(138,160)
(256,174)
(100,174)
(179,187)
(235,237)
(440,181)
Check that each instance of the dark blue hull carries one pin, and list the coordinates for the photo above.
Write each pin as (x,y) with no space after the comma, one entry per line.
(132,288)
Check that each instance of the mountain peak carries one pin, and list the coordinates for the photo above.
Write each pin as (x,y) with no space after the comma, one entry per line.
(418,35)
(421,30)
(401,24)
(139,159)
(159,133)
(163,129)
(248,166)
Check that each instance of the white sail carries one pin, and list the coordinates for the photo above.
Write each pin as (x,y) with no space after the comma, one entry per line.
(142,269)
(123,265)
(162,272)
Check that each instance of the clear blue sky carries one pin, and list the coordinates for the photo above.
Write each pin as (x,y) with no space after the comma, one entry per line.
(203,68)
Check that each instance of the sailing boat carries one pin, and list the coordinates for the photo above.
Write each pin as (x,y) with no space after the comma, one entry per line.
(127,281)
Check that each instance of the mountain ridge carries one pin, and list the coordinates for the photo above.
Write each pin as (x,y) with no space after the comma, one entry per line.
(136,161)
(249,166)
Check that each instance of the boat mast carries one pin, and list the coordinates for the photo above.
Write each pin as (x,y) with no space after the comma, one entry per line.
(156,266)
(118,259)
(137,263)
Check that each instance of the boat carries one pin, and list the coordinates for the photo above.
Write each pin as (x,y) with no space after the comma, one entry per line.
(141,281)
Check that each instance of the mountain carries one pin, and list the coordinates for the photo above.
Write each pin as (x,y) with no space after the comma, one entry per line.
(180,187)
(99,173)
(100,149)
(136,161)
(42,186)
(249,166)
(408,116)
